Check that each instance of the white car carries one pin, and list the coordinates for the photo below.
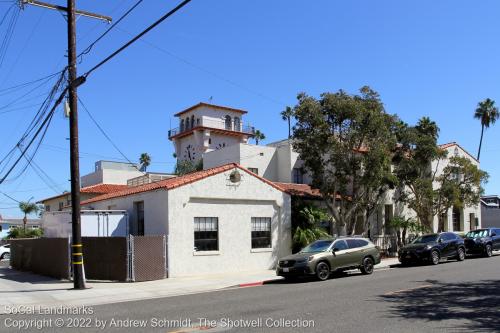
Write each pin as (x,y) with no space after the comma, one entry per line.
(5,252)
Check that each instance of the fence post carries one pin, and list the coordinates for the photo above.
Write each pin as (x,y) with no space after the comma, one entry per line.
(165,256)
(130,257)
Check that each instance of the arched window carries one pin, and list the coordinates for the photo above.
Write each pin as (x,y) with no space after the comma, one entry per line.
(187,123)
(228,122)
(192,121)
(237,125)
(182,125)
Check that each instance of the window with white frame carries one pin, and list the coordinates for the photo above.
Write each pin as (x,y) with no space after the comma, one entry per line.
(261,232)
(206,234)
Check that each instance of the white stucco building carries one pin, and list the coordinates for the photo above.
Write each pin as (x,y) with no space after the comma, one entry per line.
(207,127)
(222,219)
(278,162)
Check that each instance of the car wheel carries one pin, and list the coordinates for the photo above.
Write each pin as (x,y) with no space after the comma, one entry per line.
(435,257)
(461,254)
(488,251)
(322,271)
(6,256)
(367,267)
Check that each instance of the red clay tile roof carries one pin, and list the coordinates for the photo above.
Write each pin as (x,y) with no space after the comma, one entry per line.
(93,189)
(103,188)
(304,190)
(175,182)
(209,105)
(451,144)
(301,190)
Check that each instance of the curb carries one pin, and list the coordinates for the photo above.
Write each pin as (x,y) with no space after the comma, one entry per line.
(256,284)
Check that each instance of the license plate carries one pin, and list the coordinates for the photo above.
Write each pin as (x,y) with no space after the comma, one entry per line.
(286,270)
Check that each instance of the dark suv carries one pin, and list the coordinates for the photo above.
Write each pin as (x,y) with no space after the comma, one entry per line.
(483,241)
(433,247)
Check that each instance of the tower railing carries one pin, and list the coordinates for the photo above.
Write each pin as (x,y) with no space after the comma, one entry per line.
(215,124)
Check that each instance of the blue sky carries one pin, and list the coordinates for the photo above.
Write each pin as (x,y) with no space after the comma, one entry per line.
(425,58)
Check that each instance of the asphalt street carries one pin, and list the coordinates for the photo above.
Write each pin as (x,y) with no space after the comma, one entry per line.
(451,297)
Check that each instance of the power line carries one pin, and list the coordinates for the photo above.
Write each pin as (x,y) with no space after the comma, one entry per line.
(21,85)
(47,119)
(106,135)
(23,48)
(42,174)
(8,35)
(11,198)
(89,48)
(112,55)
(207,71)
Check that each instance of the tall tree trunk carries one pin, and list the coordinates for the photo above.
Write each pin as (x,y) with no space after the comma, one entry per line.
(289,129)
(341,229)
(25,220)
(480,142)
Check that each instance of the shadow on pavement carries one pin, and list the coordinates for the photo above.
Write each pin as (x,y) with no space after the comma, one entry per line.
(476,302)
(312,278)
(7,273)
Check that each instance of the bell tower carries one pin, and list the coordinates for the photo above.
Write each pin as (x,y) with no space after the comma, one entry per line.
(205,127)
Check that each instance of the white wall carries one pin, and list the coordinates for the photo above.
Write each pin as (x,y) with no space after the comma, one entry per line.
(173,213)
(155,210)
(109,176)
(234,206)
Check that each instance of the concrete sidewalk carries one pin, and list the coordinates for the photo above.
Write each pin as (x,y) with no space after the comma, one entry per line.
(21,288)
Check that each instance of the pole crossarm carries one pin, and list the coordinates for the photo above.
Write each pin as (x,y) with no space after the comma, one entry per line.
(65,9)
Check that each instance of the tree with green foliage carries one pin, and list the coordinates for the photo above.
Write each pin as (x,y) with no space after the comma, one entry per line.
(424,189)
(145,161)
(287,115)
(306,219)
(184,167)
(23,233)
(413,159)
(346,143)
(488,114)
(404,225)
(258,136)
(459,185)
(28,208)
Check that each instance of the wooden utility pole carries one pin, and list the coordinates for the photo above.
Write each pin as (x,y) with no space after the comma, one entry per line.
(73,83)
(76,246)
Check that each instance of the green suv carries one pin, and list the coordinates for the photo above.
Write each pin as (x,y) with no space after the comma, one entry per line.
(323,257)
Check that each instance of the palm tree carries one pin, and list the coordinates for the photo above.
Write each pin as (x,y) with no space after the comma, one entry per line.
(145,161)
(27,208)
(258,136)
(487,113)
(287,114)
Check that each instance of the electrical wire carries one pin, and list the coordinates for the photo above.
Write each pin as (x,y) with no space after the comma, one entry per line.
(107,136)
(11,198)
(8,35)
(23,48)
(42,126)
(89,48)
(130,42)
(22,85)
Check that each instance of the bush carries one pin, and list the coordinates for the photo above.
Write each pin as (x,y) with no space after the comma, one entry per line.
(306,228)
(20,233)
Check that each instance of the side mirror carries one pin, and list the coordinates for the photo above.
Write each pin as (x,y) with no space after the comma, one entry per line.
(440,240)
(493,234)
(335,249)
